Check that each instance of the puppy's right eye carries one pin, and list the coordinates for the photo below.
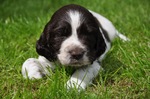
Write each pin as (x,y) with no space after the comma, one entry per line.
(64,32)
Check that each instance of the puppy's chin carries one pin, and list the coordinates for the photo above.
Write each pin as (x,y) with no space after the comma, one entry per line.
(79,64)
(75,63)
(66,60)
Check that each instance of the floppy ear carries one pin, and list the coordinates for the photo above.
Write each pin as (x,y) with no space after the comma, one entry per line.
(100,46)
(43,46)
(100,42)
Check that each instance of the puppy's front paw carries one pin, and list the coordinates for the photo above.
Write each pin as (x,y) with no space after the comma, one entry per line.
(76,84)
(32,69)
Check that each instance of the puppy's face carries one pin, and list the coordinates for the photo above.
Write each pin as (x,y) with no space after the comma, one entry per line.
(72,37)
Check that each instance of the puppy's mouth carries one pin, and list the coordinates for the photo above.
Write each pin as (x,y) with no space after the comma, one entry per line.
(73,61)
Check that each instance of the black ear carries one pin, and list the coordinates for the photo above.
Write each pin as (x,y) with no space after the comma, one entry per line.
(100,46)
(43,46)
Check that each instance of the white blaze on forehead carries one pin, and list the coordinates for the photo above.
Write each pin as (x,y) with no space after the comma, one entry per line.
(74,21)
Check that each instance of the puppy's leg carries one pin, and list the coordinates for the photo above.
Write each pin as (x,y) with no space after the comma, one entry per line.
(83,76)
(36,68)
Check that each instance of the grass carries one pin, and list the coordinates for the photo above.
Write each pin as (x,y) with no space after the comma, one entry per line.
(127,65)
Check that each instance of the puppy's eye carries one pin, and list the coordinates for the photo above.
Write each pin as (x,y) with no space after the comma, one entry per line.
(63,32)
(86,30)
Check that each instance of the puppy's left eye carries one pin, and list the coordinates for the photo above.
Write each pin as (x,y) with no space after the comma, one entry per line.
(63,32)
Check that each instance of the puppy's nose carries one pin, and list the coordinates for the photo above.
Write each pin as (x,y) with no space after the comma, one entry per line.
(77,53)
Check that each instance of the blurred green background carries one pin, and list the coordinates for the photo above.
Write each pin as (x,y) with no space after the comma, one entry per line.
(127,65)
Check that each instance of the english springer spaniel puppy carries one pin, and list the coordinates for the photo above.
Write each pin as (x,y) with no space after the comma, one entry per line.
(74,37)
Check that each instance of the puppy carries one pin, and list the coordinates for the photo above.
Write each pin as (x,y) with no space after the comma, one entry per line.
(74,37)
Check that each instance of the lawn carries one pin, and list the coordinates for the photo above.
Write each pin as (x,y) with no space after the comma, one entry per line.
(126,72)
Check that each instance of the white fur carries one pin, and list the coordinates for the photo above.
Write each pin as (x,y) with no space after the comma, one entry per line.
(36,68)
(74,21)
(123,37)
(83,77)
(72,41)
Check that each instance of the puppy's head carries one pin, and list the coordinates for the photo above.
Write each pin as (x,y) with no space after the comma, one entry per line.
(72,36)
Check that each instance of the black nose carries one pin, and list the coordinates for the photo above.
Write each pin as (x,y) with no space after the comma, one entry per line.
(77,53)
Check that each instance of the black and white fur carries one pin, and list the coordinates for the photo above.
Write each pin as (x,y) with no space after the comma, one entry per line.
(74,37)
